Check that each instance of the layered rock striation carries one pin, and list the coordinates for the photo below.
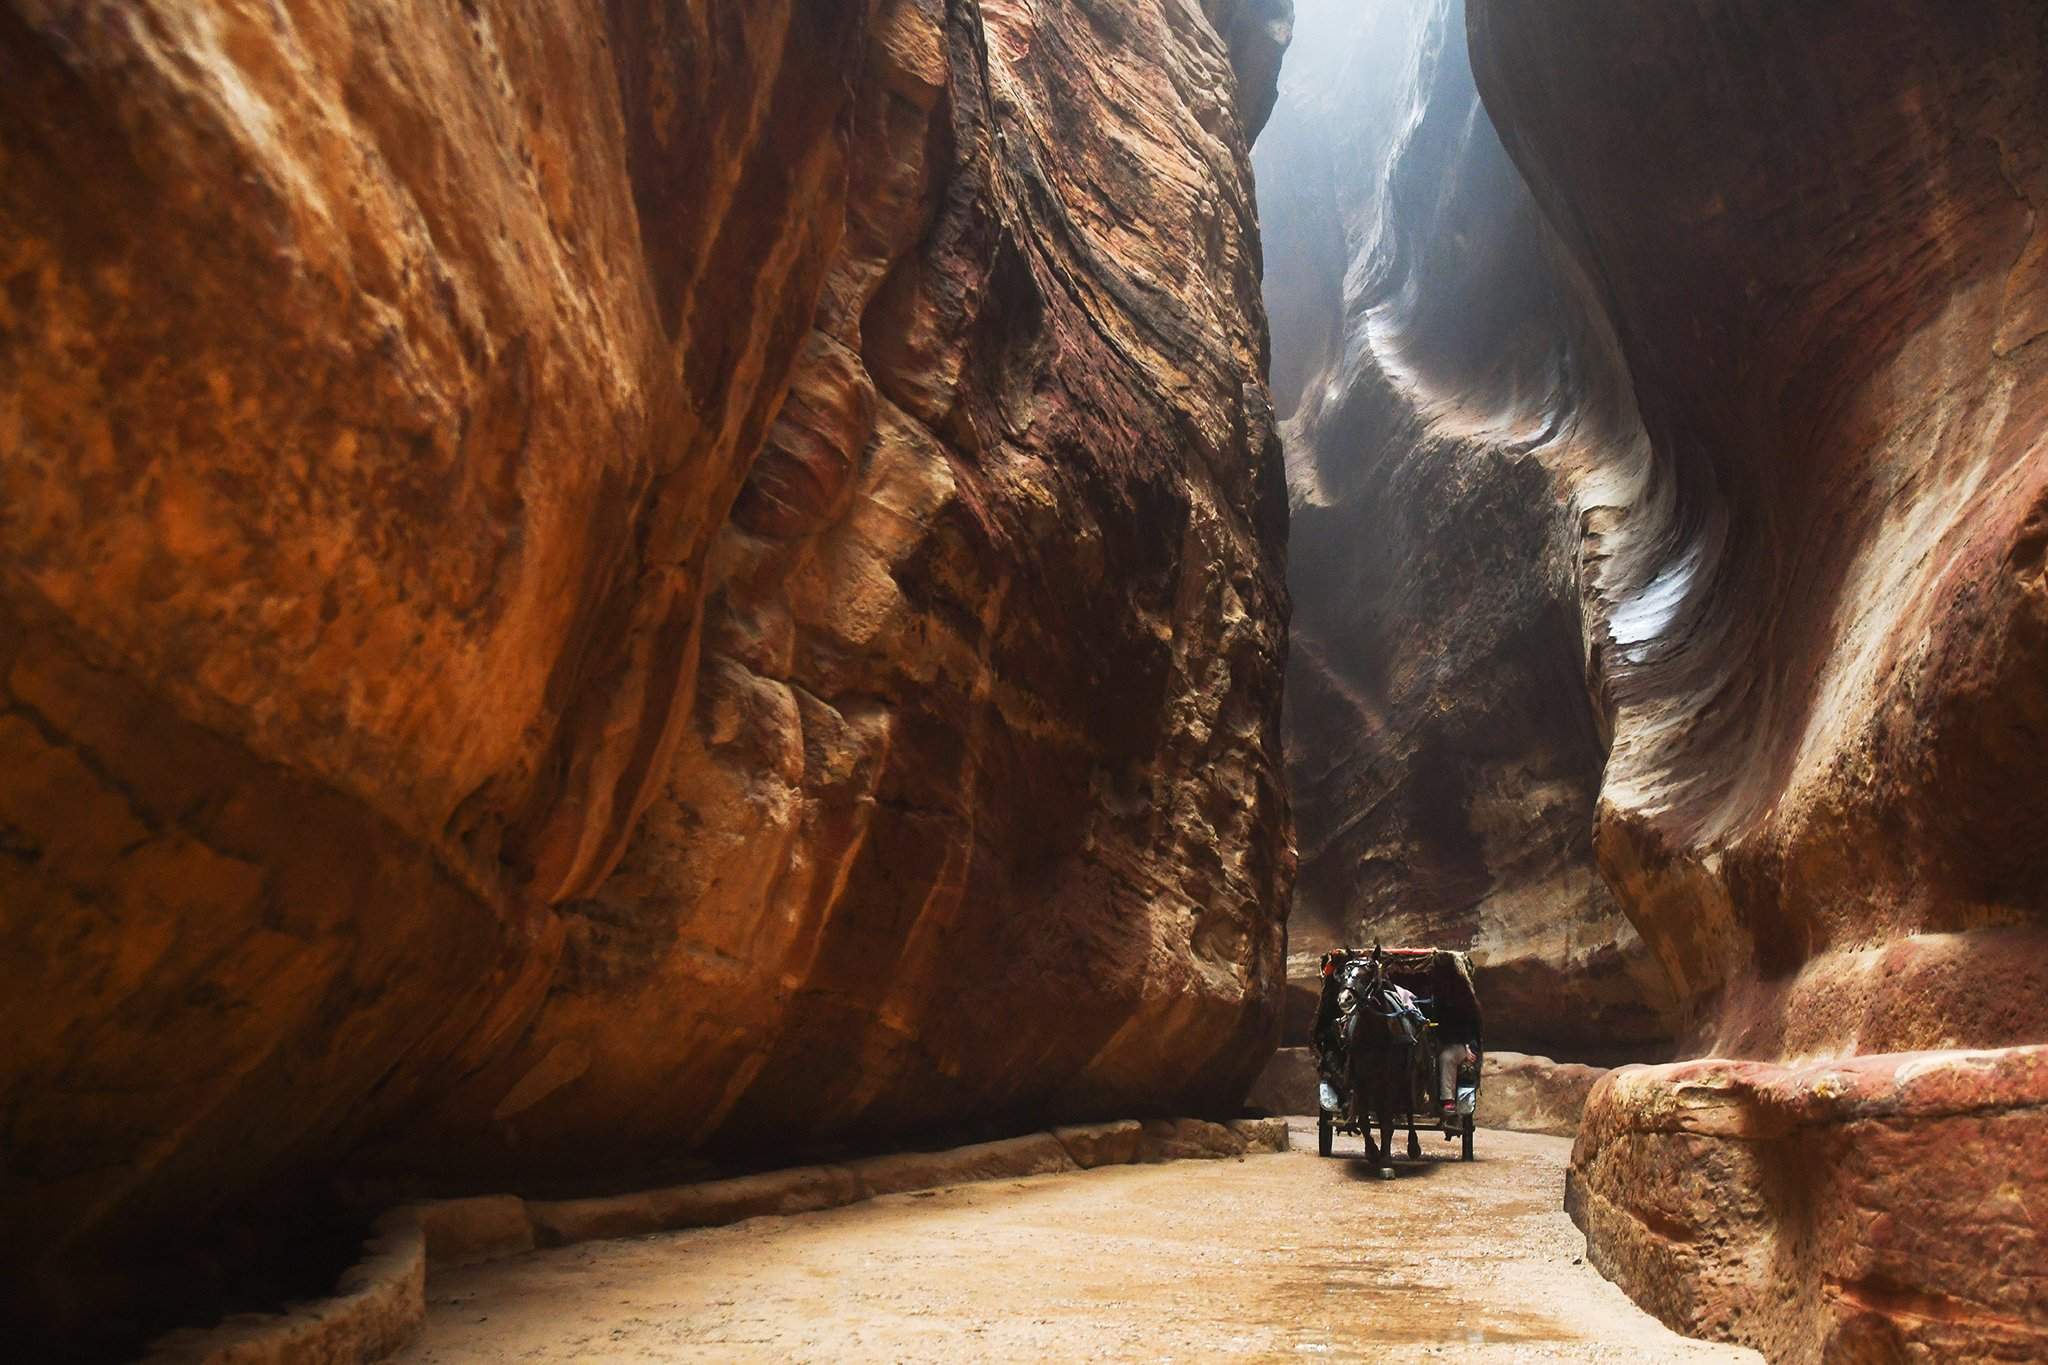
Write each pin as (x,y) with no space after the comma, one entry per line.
(1453,409)
(1870,1208)
(582,583)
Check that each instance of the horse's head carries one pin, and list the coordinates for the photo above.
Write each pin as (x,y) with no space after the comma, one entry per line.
(1374,986)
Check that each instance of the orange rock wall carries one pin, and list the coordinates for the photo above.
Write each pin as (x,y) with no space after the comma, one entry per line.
(579,582)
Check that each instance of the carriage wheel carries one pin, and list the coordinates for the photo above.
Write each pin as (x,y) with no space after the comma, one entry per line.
(1466,1153)
(1326,1132)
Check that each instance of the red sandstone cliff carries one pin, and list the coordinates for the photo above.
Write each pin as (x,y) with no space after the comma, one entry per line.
(1818,233)
(580,582)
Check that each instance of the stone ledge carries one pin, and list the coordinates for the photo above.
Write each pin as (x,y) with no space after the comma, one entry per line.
(380,1302)
(1033,1154)
(460,1231)
(1721,1098)
(1261,1136)
(377,1308)
(802,1189)
(1875,1208)
(1102,1144)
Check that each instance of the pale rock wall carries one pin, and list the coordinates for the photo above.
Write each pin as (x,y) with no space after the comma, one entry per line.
(1818,233)
(1826,715)
(1454,412)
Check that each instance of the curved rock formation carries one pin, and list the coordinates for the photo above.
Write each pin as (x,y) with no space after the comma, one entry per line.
(1828,707)
(1819,234)
(581,582)
(1683,517)
(1453,409)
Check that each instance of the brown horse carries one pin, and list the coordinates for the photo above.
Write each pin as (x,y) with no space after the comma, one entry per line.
(1380,1058)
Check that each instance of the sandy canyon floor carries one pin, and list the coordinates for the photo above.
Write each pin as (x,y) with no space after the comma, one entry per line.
(1286,1256)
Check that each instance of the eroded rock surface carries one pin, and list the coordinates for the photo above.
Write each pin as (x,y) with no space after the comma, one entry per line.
(1827,704)
(1820,637)
(580,581)
(1881,1208)
(1453,408)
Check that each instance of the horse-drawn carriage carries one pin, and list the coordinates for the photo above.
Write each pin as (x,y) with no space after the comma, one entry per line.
(1397,1044)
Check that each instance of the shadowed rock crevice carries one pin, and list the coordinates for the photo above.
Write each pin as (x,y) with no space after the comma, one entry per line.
(1795,689)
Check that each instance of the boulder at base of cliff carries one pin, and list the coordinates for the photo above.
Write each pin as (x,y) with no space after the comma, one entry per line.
(1878,1208)
(1287,1085)
(1534,1094)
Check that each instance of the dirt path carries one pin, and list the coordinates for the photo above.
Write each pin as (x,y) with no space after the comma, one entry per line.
(1263,1257)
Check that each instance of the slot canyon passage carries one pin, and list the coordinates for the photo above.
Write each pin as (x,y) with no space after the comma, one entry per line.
(818,600)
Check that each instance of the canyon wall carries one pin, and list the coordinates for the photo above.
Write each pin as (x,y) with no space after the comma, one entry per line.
(1452,406)
(1664,422)
(588,582)
(1821,645)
